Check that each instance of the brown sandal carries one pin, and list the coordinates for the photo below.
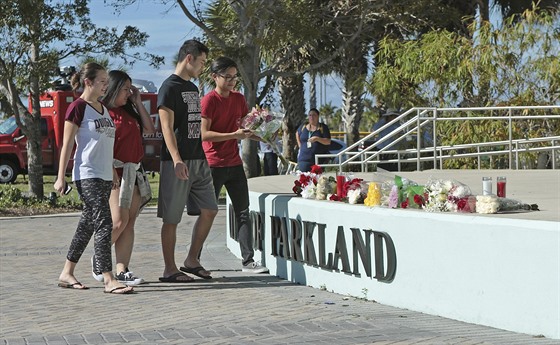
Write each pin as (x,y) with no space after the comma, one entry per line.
(67,285)
(120,290)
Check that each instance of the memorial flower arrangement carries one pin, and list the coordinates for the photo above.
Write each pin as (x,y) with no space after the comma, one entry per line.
(326,186)
(353,191)
(448,196)
(493,204)
(306,183)
(400,192)
(437,195)
(256,118)
(487,204)
(265,124)
(373,196)
(507,204)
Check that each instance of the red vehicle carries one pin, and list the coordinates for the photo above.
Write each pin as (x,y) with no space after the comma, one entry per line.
(13,150)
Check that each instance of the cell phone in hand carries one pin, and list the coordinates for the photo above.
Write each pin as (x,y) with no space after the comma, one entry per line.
(67,188)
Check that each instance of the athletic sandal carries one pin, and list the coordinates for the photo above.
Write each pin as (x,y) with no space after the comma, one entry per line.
(120,290)
(75,286)
(197,271)
(174,278)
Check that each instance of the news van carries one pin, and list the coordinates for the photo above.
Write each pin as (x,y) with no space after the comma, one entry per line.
(13,143)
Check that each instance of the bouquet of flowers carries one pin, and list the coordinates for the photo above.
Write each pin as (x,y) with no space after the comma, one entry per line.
(264,124)
(412,195)
(354,191)
(448,196)
(401,192)
(306,183)
(326,186)
(507,204)
(487,204)
(373,197)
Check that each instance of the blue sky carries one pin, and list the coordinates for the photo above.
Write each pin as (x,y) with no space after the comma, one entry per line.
(168,28)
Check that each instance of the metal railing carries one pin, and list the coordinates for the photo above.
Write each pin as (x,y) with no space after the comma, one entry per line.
(418,130)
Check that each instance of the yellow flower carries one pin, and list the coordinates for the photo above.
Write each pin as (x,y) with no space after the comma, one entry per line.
(374,195)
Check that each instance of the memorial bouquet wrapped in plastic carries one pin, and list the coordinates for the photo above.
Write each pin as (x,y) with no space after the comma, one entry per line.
(353,191)
(448,196)
(397,192)
(306,183)
(326,186)
(487,204)
(265,124)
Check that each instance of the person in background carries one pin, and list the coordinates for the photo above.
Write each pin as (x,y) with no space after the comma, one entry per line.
(131,120)
(88,123)
(185,177)
(222,111)
(385,118)
(270,159)
(312,138)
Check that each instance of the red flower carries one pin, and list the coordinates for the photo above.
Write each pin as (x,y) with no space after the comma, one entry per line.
(350,185)
(418,200)
(404,204)
(315,169)
(334,197)
(462,203)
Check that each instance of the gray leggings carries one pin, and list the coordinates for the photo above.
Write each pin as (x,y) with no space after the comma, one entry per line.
(96,219)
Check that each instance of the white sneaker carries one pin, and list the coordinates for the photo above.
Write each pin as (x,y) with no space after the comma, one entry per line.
(254,267)
(129,279)
(96,274)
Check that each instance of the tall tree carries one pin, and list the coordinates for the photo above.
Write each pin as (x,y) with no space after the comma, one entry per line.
(262,36)
(444,68)
(35,35)
(518,62)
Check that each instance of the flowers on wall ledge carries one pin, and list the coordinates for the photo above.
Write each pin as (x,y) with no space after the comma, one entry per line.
(437,195)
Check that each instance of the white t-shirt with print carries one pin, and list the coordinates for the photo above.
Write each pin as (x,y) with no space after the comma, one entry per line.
(94,141)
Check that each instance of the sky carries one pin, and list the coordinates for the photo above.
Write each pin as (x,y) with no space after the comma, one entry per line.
(168,28)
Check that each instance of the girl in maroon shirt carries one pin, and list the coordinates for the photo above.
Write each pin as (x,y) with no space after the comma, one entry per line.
(131,121)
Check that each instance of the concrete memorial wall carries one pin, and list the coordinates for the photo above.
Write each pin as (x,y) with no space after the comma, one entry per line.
(493,271)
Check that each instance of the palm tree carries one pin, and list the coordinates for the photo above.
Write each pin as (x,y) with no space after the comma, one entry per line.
(268,39)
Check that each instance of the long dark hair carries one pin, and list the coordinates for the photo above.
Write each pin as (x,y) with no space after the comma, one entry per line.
(117,79)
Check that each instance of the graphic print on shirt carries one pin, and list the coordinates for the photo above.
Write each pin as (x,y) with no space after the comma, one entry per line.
(105,126)
(193,105)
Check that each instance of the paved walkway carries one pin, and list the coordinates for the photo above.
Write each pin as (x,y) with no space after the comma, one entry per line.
(233,308)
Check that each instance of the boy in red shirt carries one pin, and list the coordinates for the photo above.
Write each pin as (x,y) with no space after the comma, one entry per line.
(222,111)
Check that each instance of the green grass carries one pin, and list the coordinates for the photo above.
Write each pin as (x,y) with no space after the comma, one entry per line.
(15,200)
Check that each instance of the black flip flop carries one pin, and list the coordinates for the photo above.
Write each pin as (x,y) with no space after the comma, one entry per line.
(196,271)
(173,278)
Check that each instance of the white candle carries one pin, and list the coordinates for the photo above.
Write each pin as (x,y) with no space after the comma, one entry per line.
(486,185)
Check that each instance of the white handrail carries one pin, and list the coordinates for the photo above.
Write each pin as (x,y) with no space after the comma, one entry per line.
(415,120)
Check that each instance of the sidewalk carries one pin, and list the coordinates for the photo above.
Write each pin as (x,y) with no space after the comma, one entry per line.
(232,308)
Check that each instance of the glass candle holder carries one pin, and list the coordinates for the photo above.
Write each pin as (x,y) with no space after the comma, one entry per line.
(501,186)
(486,185)
(341,178)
